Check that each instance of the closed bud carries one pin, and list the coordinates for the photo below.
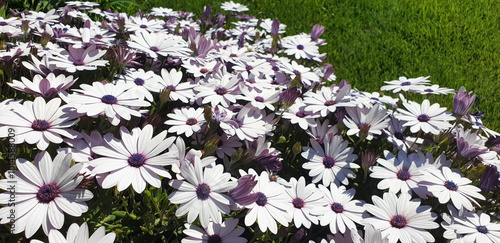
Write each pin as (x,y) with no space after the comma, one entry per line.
(297,148)
(207,113)
(317,31)
(489,179)
(236,156)
(211,146)
(275,27)
(462,102)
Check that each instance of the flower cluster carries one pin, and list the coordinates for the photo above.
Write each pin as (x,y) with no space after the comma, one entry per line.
(222,129)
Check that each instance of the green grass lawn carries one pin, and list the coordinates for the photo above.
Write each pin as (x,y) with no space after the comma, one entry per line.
(457,43)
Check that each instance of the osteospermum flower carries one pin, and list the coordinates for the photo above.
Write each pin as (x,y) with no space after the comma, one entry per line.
(271,205)
(327,99)
(141,82)
(219,91)
(304,198)
(182,91)
(133,160)
(429,119)
(39,122)
(186,121)
(366,122)
(406,84)
(234,7)
(399,218)
(79,59)
(45,191)
(201,194)
(447,185)
(298,115)
(331,164)
(47,87)
(340,212)
(154,44)
(471,227)
(225,232)
(300,46)
(247,125)
(80,234)
(400,174)
(106,99)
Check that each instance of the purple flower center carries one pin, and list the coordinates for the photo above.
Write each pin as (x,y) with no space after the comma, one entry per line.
(139,81)
(429,90)
(3,23)
(300,114)
(47,193)
(191,121)
(214,239)
(261,199)
(296,72)
(276,68)
(154,48)
(450,185)
(329,102)
(478,123)
(98,36)
(203,70)
(143,26)
(203,191)
(337,207)
(171,87)
(403,174)
(328,162)
(78,62)
(405,83)
(248,67)
(109,99)
(300,47)
(298,202)
(94,155)
(221,91)
(136,160)
(399,221)
(482,229)
(39,18)
(259,99)
(40,125)
(423,118)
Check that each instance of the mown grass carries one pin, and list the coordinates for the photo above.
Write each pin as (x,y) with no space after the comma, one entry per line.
(457,43)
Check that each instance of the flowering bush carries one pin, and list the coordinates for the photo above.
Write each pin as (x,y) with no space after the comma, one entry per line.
(167,128)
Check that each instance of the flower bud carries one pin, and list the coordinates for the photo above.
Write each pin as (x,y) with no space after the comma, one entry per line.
(317,31)
(275,27)
(242,192)
(489,180)
(462,102)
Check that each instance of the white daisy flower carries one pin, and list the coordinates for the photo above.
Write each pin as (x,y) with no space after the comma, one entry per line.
(134,24)
(298,115)
(219,91)
(164,12)
(403,173)
(182,91)
(307,77)
(140,82)
(429,119)
(322,130)
(477,124)
(202,193)
(186,121)
(473,227)
(79,59)
(247,124)
(215,232)
(154,44)
(340,212)
(328,99)
(48,87)
(304,199)
(447,185)
(332,164)
(396,136)
(366,122)
(271,204)
(80,234)
(133,160)
(38,122)
(434,89)
(406,84)
(300,46)
(400,218)
(234,7)
(261,99)
(45,191)
(115,102)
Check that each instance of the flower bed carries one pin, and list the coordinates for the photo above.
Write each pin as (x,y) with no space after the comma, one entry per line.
(163,127)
